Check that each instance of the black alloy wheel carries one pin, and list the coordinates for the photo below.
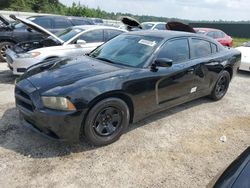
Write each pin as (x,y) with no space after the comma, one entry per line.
(106,122)
(221,86)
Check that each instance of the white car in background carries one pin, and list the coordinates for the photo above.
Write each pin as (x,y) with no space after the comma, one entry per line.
(245,57)
(154,25)
(74,41)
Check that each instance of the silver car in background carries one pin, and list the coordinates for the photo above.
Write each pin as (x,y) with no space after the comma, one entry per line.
(74,41)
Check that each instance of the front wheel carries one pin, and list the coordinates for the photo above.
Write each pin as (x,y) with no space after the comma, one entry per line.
(3,47)
(106,122)
(221,86)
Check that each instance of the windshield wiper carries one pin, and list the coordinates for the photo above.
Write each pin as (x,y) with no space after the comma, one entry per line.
(105,59)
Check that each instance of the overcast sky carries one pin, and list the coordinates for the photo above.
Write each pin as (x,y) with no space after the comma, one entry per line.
(186,9)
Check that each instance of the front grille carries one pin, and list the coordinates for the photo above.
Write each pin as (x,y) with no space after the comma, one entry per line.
(9,59)
(23,99)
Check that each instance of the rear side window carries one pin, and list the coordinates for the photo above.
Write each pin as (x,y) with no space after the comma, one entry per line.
(93,36)
(176,50)
(160,26)
(61,23)
(110,33)
(211,34)
(81,22)
(214,48)
(201,48)
(44,22)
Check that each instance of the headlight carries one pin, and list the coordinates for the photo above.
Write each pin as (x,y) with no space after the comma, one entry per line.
(29,55)
(58,103)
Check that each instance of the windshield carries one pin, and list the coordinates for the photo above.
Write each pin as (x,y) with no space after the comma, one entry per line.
(19,25)
(147,26)
(68,34)
(128,50)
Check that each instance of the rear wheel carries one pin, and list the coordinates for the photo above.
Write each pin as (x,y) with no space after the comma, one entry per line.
(221,86)
(3,47)
(106,122)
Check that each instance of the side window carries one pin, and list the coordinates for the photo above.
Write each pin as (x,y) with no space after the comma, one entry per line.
(160,27)
(176,50)
(44,22)
(211,34)
(110,33)
(201,48)
(62,23)
(81,22)
(214,48)
(93,36)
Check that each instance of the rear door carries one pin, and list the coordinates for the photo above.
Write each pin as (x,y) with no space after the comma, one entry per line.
(204,55)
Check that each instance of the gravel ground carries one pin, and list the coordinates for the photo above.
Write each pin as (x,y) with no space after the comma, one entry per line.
(179,147)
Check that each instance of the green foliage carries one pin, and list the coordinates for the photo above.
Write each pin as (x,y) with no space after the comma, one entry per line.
(55,7)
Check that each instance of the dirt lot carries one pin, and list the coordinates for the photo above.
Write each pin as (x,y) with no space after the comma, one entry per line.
(180,147)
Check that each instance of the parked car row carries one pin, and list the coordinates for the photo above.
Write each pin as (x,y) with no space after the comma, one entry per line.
(73,41)
(122,78)
(12,33)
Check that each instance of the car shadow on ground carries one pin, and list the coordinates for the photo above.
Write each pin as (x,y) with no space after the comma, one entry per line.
(7,77)
(16,137)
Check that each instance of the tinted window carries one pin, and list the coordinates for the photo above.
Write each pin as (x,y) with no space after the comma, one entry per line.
(214,48)
(68,33)
(176,50)
(44,22)
(81,22)
(201,48)
(160,27)
(93,36)
(61,23)
(110,33)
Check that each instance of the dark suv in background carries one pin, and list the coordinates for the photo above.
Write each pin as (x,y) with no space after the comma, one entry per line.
(13,33)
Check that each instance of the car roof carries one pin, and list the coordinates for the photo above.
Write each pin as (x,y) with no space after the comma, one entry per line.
(55,16)
(86,27)
(166,34)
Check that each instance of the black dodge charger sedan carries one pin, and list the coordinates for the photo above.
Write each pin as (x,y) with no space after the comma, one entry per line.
(95,97)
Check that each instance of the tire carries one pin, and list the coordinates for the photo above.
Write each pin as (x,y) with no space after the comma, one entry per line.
(221,86)
(106,122)
(3,47)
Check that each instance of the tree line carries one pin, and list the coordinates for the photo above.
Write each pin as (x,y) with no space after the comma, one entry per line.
(55,7)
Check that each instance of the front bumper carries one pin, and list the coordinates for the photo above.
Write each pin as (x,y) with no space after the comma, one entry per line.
(19,65)
(60,125)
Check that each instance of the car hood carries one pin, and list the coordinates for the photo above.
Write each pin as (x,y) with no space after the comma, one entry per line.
(172,26)
(178,26)
(36,27)
(66,71)
(131,22)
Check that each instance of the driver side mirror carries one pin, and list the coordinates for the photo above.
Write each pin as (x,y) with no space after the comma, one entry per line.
(163,62)
(79,41)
